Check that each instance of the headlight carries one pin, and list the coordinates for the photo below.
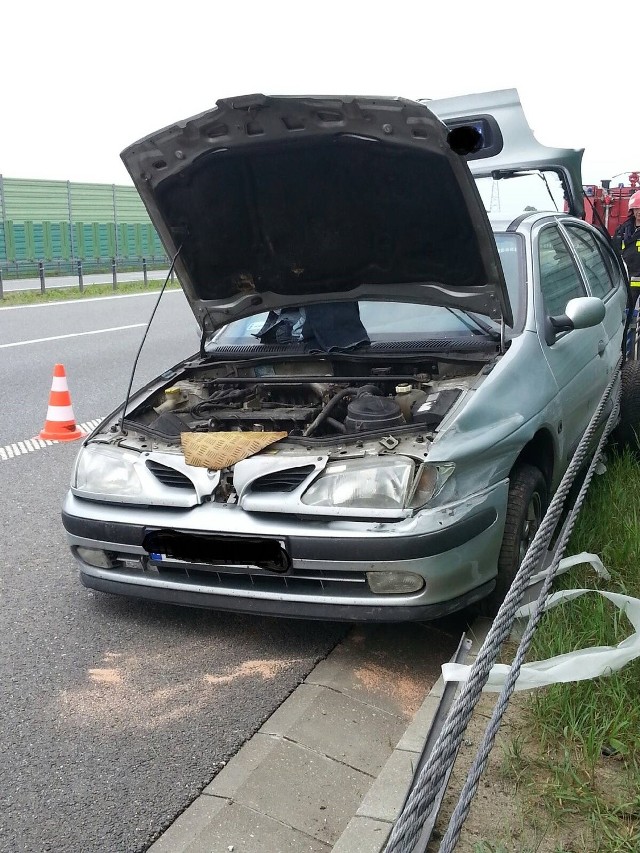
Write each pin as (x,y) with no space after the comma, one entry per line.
(105,470)
(378,482)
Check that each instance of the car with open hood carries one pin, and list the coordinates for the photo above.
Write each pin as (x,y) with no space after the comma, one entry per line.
(396,364)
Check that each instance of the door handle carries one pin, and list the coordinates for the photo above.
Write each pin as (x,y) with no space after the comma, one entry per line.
(601,347)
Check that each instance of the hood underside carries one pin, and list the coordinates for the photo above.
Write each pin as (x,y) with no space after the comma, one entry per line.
(271,202)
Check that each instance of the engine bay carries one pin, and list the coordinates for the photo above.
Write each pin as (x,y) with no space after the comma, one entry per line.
(317,399)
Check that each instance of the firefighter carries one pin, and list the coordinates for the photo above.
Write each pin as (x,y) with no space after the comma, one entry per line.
(627,240)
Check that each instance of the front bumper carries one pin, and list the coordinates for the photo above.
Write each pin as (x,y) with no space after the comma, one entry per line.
(453,548)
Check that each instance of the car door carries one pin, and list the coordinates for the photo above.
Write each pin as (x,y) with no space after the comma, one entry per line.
(605,279)
(575,357)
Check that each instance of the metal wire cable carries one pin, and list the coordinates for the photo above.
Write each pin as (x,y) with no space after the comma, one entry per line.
(406,830)
(470,787)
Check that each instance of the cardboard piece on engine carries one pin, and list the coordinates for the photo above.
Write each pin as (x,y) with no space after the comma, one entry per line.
(217,450)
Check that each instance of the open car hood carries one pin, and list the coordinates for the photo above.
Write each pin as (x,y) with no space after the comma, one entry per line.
(279,201)
(509,145)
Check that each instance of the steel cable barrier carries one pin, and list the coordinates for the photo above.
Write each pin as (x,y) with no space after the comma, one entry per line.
(405,834)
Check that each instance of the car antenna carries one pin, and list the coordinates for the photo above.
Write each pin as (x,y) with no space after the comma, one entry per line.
(144,337)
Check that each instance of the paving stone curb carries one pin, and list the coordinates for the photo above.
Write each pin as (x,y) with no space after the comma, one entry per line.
(368,830)
(329,770)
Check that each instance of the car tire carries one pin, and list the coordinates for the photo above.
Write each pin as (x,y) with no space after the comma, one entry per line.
(627,432)
(527,504)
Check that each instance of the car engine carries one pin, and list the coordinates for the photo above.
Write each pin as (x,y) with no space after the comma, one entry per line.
(308,400)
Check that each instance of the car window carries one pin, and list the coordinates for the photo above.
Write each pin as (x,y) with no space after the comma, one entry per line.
(560,280)
(510,250)
(599,274)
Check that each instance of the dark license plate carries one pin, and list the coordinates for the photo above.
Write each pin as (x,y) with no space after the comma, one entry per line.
(268,554)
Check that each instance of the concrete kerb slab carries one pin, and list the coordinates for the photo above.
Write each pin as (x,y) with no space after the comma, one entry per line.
(211,824)
(331,767)
(332,724)
(368,830)
(306,790)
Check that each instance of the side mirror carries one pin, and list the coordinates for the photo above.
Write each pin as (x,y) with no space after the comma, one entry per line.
(584,312)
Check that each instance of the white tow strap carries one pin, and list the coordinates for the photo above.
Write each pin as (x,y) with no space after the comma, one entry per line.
(568,563)
(579,665)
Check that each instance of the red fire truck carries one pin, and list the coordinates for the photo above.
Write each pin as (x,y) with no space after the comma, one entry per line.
(606,206)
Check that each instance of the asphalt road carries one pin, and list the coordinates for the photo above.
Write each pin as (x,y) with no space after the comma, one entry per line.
(115,714)
(97,341)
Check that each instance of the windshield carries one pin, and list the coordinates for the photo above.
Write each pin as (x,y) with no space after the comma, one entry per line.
(396,321)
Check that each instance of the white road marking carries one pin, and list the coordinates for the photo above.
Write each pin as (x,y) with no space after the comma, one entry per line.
(29,445)
(72,335)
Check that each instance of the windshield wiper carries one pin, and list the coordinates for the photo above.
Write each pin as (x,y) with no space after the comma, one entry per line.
(485,327)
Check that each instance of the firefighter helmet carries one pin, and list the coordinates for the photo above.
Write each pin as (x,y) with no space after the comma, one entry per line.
(634,201)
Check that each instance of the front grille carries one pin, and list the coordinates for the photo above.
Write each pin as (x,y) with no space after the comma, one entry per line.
(298,582)
(304,582)
(282,481)
(169,476)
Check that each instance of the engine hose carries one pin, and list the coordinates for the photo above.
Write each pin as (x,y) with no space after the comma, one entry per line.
(218,398)
(339,427)
(333,402)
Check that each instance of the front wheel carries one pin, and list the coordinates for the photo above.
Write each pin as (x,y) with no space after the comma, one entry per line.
(627,433)
(527,504)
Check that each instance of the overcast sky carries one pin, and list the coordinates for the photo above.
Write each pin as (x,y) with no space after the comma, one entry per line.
(83,80)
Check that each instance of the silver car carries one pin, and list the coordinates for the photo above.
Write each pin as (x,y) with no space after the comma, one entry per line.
(391,381)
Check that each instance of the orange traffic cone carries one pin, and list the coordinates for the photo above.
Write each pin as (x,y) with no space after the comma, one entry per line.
(60,424)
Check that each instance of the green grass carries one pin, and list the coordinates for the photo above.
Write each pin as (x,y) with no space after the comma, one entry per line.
(588,733)
(52,294)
